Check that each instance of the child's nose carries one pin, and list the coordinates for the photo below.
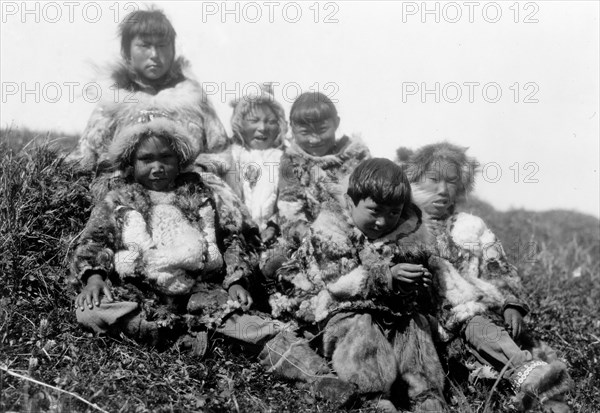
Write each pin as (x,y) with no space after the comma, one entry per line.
(158,168)
(443,187)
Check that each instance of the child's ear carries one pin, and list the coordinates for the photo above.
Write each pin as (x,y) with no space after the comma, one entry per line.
(337,122)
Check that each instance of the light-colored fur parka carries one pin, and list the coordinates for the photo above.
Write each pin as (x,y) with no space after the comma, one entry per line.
(125,94)
(172,239)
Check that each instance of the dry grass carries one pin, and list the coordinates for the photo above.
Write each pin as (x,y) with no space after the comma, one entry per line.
(45,205)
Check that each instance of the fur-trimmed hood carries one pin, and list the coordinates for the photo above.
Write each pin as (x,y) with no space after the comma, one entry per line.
(242,106)
(157,123)
(416,163)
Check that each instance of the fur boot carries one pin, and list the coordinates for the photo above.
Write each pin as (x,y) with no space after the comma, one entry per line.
(538,381)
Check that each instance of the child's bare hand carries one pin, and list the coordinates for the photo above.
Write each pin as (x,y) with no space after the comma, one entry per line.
(268,235)
(411,274)
(239,294)
(92,292)
(514,321)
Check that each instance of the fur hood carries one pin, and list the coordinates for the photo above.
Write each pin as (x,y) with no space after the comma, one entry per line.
(242,106)
(417,162)
(125,141)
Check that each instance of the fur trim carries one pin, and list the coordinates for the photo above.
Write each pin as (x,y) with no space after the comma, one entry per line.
(346,148)
(124,143)
(124,76)
(467,296)
(555,381)
(242,106)
(178,96)
(422,158)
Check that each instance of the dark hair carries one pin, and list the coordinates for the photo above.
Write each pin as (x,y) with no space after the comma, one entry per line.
(310,108)
(144,23)
(381,180)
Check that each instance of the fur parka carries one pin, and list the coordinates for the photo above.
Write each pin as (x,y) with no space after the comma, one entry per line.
(124,95)
(256,174)
(172,240)
(470,267)
(338,269)
(306,181)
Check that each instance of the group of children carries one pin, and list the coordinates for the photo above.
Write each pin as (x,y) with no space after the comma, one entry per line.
(349,272)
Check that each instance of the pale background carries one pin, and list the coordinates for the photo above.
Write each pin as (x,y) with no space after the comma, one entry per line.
(362,61)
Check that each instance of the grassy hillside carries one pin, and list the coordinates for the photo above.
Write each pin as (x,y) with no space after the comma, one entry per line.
(44,205)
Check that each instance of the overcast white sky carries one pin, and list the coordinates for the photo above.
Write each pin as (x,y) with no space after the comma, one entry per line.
(517,82)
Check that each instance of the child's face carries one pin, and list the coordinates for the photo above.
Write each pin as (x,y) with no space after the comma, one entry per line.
(260,128)
(151,56)
(317,139)
(373,219)
(441,180)
(155,164)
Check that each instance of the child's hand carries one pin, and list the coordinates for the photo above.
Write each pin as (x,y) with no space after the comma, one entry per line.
(92,292)
(239,294)
(269,234)
(411,274)
(514,321)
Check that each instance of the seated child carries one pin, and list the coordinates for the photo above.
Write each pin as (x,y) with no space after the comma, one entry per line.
(356,276)
(162,244)
(149,77)
(315,160)
(481,291)
(259,128)
(315,164)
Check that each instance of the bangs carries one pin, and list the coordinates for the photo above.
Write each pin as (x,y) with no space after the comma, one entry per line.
(310,108)
(381,180)
(146,24)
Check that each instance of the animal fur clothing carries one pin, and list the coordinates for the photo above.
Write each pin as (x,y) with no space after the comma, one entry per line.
(172,240)
(306,181)
(125,95)
(256,175)
(472,273)
(338,269)
(372,333)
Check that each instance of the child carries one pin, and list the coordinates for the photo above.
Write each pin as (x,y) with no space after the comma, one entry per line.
(480,289)
(315,162)
(356,275)
(259,128)
(163,244)
(149,77)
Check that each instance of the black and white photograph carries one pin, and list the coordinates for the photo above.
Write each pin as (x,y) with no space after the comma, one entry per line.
(300,206)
